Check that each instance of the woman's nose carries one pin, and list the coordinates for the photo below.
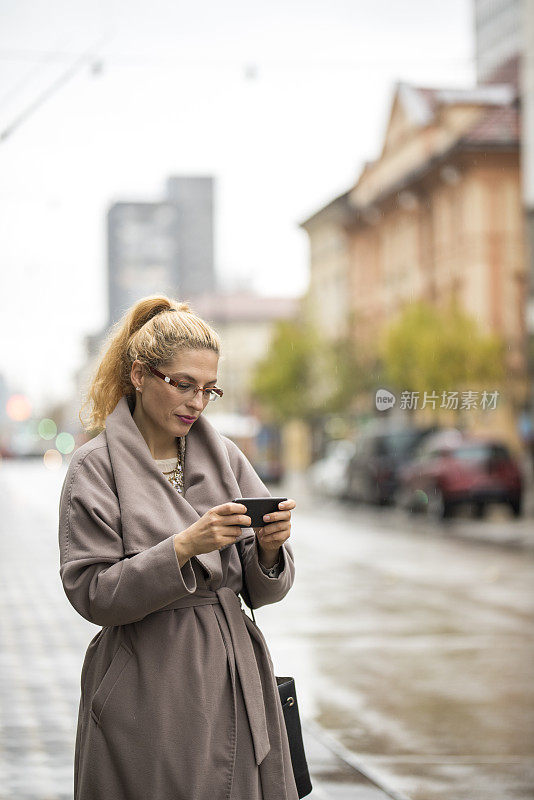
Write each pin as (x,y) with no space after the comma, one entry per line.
(197,402)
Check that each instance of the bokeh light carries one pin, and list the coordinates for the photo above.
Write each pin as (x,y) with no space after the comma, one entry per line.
(421,497)
(52,460)
(18,407)
(47,428)
(65,442)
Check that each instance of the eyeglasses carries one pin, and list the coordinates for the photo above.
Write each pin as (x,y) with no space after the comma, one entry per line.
(189,390)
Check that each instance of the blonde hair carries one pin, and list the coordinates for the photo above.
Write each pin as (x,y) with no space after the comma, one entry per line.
(152,331)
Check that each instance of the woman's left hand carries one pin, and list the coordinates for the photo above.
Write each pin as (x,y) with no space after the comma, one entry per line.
(277,528)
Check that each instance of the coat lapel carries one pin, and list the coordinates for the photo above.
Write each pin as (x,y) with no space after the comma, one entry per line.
(152,509)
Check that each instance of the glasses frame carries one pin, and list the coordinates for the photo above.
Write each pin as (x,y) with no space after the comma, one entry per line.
(205,391)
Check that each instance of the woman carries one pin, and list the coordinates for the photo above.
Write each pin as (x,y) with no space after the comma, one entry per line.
(178,695)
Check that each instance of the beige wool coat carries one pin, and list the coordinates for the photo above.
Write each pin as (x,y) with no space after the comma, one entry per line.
(178,695)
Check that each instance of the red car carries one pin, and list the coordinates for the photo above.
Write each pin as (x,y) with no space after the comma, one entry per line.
(476,471)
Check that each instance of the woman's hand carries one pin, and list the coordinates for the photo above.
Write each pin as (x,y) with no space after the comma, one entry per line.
(278,528)
(216,528)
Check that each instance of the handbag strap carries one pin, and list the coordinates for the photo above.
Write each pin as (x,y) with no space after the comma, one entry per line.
(244,590)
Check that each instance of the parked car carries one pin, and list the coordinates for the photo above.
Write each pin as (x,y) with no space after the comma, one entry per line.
(441,438)
(327,474)
(371,474)
(473,470)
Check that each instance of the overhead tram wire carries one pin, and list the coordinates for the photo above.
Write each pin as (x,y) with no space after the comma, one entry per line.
(86,58)
(148,60)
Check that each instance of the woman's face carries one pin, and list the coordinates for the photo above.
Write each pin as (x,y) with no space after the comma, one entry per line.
(163,403)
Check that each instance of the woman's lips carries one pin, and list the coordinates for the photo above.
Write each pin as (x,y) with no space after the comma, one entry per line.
(187,420)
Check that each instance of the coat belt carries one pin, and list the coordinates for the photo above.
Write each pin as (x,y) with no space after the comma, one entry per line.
(247,664)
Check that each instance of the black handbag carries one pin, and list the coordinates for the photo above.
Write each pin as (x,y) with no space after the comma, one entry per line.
(288,698)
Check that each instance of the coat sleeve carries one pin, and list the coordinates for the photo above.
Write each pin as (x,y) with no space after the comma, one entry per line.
(103,585)
(263,589)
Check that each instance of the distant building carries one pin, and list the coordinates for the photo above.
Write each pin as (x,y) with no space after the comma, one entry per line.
(245,323)
(527,165)
(192,197)
(504,44)
(437,215)
(328,301)
(141,253)
(498,39)
(163,246)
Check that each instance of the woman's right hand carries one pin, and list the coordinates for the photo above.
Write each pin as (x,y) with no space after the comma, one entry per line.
(216,528)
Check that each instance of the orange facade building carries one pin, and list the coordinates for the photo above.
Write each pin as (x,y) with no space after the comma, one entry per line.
(438,214)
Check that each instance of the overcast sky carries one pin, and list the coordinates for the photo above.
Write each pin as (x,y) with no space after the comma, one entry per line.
(282,101)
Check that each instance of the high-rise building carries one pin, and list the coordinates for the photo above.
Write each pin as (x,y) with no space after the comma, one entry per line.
(163,246)
(192,197)
(141,253)
(498,39)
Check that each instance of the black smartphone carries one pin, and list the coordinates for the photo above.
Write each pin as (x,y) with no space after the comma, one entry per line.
(257,507)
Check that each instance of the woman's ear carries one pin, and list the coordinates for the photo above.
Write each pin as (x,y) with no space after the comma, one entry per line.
(136,374)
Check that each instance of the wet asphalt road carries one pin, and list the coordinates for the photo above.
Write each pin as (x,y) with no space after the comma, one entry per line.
(412,653)
(415,651)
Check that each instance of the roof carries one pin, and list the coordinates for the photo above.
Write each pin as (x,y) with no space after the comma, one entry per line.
(496,126)
(340,205)
(244,307)
(420,103)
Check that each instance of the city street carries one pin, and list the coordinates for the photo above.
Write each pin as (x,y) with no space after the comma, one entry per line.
(321,217)
(414,646)
(412,652)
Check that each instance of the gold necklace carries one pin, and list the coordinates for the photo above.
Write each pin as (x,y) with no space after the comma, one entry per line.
(176,475)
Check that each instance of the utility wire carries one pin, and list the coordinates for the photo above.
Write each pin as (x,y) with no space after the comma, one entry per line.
(85,58)
(137,59)
(45,58)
